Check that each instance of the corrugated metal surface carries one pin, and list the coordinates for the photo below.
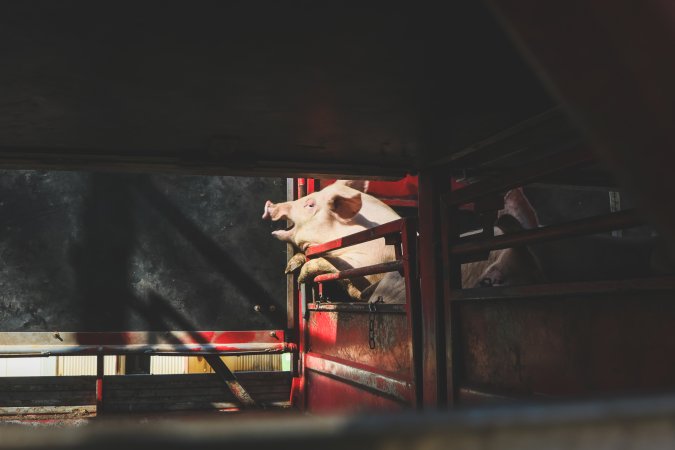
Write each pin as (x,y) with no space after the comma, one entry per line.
(257,363)
(244,363)
(27,367)
(166,365)
(85,365)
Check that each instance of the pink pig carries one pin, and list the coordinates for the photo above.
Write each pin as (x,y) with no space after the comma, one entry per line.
(339,210)
(334,212)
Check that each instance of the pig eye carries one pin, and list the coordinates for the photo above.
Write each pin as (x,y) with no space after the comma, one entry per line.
(310,204)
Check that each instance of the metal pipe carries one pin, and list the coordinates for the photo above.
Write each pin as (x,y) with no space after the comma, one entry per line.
(607,222)
(393,266)
(553,290)
(172,349)
(518,177)
(389,228)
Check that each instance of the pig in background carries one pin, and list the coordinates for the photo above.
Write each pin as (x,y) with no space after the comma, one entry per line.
(339,210)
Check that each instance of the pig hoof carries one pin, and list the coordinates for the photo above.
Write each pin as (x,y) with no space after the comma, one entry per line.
(353,291)
(313,268)
(295,262)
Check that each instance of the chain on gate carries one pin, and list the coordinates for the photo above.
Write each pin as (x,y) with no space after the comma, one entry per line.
(371,323)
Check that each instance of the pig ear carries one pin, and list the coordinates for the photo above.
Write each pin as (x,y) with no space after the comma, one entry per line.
(345,204)
(359,185)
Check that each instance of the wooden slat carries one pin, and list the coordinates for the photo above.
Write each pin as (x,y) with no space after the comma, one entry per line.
(199,391)
(50,395)
(42,392)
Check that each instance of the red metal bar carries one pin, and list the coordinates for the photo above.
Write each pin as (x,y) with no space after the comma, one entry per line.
(291,285)
(99,383)
(412,286)
(366,376)
(391,228)
(299,388)
(66,338)
(302,188)
(393,266)
(598,224)
(154,349)
(178,342)
(519,176)
(402,202)
(360,307)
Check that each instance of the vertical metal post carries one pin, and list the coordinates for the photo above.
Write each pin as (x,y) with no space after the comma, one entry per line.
(432,183)
(291,286)
(452,279)
(409,257)
(100,359)
(297,189)
(615,206)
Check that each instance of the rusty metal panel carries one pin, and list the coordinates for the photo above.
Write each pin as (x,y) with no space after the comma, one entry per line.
(571,345)
(344,335)
(330,396)
(111,252)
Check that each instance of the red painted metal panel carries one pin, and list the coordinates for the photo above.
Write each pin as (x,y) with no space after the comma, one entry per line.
(365,377)
(331,396)
(344,335)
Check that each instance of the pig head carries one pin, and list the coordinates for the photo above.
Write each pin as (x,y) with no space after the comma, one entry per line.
(335,211)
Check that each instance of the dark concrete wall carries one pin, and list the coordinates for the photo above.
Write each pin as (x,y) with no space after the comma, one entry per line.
(112,252)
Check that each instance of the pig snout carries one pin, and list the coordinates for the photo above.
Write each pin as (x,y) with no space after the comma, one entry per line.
(266,212)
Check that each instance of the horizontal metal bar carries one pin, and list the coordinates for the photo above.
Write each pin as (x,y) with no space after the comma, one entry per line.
(157,349)
(598,224)
(564,289)
(141,337)
(399,202)
(362,307)
(387,229)
(473,396)
(542,134)
(518,177)
(360,375)
(67,159)
(392,266)
(78,411)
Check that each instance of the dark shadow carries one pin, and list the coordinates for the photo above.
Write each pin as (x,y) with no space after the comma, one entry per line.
(101,259)
(210,250)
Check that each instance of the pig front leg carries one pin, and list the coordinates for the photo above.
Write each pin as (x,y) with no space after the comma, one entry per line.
(296,262)
(319,266)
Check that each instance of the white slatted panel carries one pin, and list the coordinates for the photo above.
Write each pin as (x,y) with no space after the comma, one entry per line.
(27,367)
(85,365)
(166,365)
(257,363)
